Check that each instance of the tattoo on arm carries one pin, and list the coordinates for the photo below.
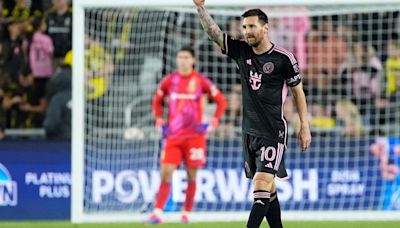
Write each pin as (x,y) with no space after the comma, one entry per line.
(209,25)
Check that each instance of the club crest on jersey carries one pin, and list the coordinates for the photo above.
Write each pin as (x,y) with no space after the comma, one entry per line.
(255,80)
(268,67)
(248,61)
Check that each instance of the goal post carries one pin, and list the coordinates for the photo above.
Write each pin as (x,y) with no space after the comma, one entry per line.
(78,94)
(122,49)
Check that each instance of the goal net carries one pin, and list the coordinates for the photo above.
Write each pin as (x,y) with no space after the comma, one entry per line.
(349,56)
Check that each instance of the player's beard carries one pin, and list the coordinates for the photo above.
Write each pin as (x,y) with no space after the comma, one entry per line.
(254,43)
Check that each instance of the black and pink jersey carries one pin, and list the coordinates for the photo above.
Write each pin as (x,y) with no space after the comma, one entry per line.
(265,79)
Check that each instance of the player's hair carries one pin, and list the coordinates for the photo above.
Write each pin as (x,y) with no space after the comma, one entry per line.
(262,17)
(187,49)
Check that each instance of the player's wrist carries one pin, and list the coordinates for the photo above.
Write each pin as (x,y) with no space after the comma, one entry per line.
(159,122)
(213,123)
(215,120)
(305,125)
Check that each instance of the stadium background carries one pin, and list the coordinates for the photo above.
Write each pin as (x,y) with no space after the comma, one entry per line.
(350,63)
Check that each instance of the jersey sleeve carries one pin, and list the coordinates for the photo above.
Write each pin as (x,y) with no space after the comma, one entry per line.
(158,99)
(210,88)
(233,48)
(291,71)
(216,95)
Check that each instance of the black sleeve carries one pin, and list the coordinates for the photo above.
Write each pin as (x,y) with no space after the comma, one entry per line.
(291,71)
(233,48)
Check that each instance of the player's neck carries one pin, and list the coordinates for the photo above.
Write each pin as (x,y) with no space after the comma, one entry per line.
(263,47)
(184,72)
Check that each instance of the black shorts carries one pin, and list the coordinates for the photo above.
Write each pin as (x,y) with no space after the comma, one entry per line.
(263,155)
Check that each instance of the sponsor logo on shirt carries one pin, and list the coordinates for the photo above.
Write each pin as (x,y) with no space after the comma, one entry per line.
(255,80)
(293,79)
(183,96)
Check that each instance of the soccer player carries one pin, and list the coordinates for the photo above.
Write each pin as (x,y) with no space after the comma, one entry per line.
(266,70)
(185,135)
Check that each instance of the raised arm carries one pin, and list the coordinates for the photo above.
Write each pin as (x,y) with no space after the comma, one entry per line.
(209,25)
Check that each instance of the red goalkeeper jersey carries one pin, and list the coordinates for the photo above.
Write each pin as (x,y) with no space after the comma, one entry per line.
(185,107)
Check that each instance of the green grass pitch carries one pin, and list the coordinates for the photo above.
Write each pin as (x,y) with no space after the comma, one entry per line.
(292,224)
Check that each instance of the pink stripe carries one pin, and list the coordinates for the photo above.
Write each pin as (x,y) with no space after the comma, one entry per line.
(279,156)
(262,195)
(276,166)
(288,54)
(292,59)
(278,153)
(284,95)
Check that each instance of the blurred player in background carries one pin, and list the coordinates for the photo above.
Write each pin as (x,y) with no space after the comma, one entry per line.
(184,131)
(266,70)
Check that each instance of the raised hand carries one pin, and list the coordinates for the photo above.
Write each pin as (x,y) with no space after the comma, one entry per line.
(199,2)
(209,25)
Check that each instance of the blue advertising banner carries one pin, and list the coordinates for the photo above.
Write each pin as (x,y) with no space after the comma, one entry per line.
(35,180)
(387,150)
(332,175)
(357,174)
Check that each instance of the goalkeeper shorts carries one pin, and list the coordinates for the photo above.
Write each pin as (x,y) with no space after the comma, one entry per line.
(191,150)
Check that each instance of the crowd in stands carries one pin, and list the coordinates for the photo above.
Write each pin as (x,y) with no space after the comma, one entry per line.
(352,78)
(350,65)
(35,60)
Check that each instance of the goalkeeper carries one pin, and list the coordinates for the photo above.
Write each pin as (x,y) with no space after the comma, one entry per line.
(266,72)
(184,132)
